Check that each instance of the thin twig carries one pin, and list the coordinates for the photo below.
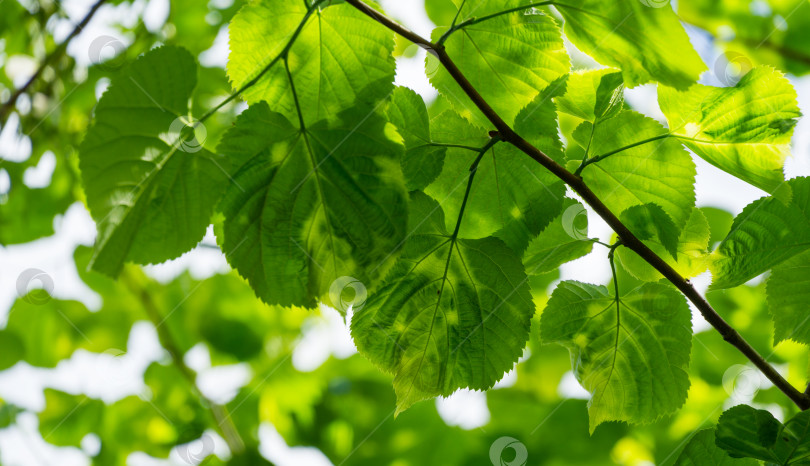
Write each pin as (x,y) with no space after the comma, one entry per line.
(58,51)
(576,183)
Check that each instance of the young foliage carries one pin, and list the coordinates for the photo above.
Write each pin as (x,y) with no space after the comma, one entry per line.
(530,55)
(646,43)
(151,187)
(337,58)
(631,351)
(767,232)
(744,130)
(629,174)
(309,205)
(453,312)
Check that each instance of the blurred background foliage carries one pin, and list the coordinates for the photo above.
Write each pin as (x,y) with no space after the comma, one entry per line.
(340,406)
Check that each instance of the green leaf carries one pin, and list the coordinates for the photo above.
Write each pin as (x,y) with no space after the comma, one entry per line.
(631,354)
(508,59)
(593,94)
(513,197)
(310,206)
(659,172)
(563,240)
(338,59)
(745,432)
(67,418)
(649,220)
(691,247)
(744,130)
(423,158)
(702,451)
(767,232)
(452,312)
(788,297)
(151,186)
(646,43)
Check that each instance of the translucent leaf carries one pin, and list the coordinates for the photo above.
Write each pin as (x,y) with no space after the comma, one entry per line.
(744,130)
(702,451)
(513,197)
(308,207)
(339,59)
(646,43)
(563,240)
(508,59)
(767,232)
(659,172)
(632,357)
(745,432)
(151,186)
(692,250)
(649,220)
(423,160)
(452,312)
(789,299)
(592,94)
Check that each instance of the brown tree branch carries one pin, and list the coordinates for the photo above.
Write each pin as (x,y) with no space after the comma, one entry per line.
(576,183)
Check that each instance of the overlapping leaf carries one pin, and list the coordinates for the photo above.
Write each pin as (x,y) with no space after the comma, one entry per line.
(745,432)
(452,312)
(646,43)
(691,251)
(565,239)
(151,186)
(309,206)
(767,232)
(512,197)
(659,172)
(631,354)
(529,55)
(593,94)
(338,58)
(423,158)
(744,130)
